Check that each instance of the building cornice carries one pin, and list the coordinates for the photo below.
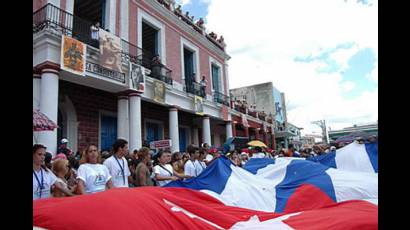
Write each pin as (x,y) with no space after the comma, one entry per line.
(191,31)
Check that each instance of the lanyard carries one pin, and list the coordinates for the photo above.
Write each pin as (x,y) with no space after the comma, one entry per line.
(122,168)
(193,163)
(40,185)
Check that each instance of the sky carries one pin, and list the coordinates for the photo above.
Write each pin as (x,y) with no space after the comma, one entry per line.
(321,53)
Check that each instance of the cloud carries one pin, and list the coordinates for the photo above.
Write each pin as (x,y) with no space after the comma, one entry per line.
(183,2)
(348,86)
(374,75)
(264,39)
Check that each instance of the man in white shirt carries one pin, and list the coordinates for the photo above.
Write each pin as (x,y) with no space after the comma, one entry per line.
(210,156)
(192,166)
(117,164)
(259,153)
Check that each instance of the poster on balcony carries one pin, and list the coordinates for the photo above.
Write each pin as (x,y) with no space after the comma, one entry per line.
(73,55)
(110,51)
(159,91)
(199,105)
(244,120)
(136,77)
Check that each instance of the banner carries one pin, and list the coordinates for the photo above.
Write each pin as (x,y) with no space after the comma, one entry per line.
(160,144)
(110,51)
(159,91)
(199,105)
(136,77)
(73,55)
(244,120)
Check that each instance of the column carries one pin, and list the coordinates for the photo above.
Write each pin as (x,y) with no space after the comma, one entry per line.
(257,136)
(135,141)
(265,138)
(110,15)
(36,99)
(174,129)
(228,129)
(36,91)
(195,137)
(246,131)
(49,106)
(122,119)
(206,130)
(273,140)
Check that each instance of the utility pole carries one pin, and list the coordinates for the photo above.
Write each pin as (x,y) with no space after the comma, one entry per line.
(322,125)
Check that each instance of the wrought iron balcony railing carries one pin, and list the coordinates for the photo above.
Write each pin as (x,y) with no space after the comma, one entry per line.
(50,16)
(221,98)
(195,88)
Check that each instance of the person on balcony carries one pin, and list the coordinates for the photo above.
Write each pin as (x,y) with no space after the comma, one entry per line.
(156,67)
(222,41)
(178,10)
(203,83)
(200,23)
(95,31)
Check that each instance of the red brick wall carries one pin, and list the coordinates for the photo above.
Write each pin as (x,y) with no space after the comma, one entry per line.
(173,56)
(87,102)
(173,49)
(37,4)
(117,18)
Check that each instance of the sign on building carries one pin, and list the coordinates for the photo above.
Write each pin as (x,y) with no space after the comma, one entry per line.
(110,51)
(136,77)
(159,91)
(160,144)
(199,105)
(73,55)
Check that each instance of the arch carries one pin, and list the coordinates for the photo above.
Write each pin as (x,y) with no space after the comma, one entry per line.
(69,122)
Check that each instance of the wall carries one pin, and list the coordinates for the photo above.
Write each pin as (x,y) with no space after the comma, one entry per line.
(87,102)
(260,95)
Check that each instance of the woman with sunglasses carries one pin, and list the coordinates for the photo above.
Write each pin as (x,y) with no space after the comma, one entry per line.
(92,175)
(61,168)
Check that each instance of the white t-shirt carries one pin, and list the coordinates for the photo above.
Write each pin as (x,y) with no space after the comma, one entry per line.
(200,166)
(258,155)
(162,172)
(48,180)
(189,169)
(95,177)
(209,157)
(116,172)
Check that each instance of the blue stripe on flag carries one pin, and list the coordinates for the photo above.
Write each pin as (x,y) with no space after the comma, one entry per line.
(213,178)
(325,159)
(254,164)
(300,172)
(373,152)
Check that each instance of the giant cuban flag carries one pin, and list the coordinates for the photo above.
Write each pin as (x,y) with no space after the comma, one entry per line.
(180,208)
(285,193)
(281,185)
(352,157)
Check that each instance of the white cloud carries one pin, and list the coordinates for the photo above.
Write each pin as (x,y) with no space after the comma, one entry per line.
(264,37)
(374,75)
(183,2)
(348,86)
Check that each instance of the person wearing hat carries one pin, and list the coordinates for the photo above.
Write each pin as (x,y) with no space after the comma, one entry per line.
(244,158)
(63,148)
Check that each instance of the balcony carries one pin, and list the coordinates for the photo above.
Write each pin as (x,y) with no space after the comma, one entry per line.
(60,21)
(221,98)
(196,89)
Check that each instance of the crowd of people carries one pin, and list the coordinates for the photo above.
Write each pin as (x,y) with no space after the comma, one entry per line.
(71,174)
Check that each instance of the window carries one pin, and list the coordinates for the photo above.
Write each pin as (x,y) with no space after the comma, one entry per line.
(150,43)
(216,78)
(153,131)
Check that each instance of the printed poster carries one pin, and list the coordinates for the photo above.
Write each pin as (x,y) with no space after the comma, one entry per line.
(199,105)
(159,91)
(136,77)
(73,55)
(110,51)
